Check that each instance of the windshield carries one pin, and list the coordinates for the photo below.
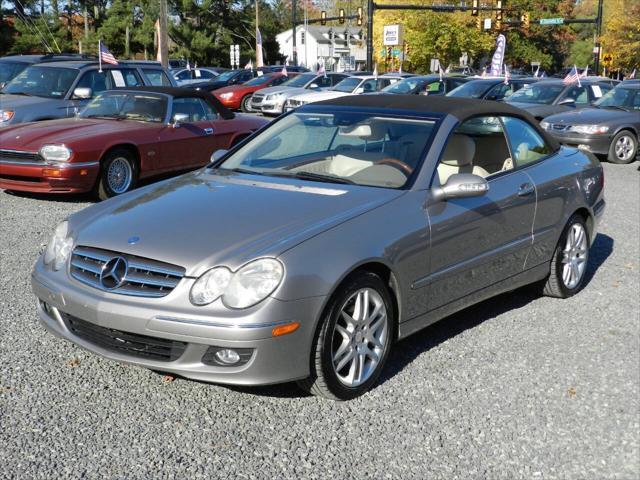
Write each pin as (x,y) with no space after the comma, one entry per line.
(42,82)
(621,97)
(356,148)
(540,93)
(405,86)
(8,70)
(347,85)
(470,90)
(144,107)
(299,81)
(259,80)
(226,75)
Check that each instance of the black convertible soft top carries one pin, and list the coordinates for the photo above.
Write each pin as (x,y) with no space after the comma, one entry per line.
(177,92)
(461,108)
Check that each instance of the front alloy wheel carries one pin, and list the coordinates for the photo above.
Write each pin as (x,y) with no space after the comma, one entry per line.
(624,148)
(353,339)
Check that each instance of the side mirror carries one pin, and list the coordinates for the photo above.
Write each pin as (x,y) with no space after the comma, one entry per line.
(178,119)
(217,155)
(568,102)
(359,90)
(82,93)
(461,185)
(313,85)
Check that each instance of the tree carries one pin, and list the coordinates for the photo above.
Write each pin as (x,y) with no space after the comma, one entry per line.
(621,33)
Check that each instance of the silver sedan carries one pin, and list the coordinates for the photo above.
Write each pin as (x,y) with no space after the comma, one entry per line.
(306,251)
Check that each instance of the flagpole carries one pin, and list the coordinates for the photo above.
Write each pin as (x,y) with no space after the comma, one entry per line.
(100,56)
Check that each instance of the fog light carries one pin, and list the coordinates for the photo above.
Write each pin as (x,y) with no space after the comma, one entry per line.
(227,356)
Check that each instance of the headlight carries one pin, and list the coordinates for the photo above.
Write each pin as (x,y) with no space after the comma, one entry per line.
(590,129)
(544,125)
(6,115)
(275,96)
(59,247)
(55,153)
(226,95)
(248,286)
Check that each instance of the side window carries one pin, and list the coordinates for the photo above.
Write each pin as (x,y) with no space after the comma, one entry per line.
(635,101)
(599,89)
(498,92)
(577,94)
(279,80)
(127,77)
(369,86)
(190,106)
(94,80)
(209,112)
(245,76)
(157,78)
(335,79)
(477,146)
(526,144)
(184,75)
(204,74)
(434,87)
(323,81)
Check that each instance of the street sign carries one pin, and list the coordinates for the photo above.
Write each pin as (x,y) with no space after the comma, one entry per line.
(392,35)
(487,24)
(396,52)
(552,21)
(234,56)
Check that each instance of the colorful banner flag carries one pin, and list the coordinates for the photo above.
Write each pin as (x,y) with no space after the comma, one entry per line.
(498,56)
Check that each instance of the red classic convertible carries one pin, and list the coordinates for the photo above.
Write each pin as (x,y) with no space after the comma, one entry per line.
(119,138)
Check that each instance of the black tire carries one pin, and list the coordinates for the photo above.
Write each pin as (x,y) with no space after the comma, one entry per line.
(324,380)
(244,104)
(555,285)
(105,187)
(630,148)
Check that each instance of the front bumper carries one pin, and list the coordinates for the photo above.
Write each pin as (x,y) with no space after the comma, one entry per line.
(272,107)
(273,359)
(597,144)
(48,178)
(231,103)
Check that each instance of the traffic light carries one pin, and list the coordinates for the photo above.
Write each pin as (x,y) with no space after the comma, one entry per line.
(323,17)
(479,22)
(359,16)
(498,14)
(389,53)
(474,7)
(525,19)
(341,15)
(407,49)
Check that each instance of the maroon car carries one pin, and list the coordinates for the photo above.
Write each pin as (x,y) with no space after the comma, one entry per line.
(120,138)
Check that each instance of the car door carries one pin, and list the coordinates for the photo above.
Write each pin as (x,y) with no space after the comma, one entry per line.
(189,142)
(478,241)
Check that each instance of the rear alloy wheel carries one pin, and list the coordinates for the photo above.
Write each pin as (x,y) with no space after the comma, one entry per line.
(244,106)
(353,341)
(117,175)
(623,148)
(570,260)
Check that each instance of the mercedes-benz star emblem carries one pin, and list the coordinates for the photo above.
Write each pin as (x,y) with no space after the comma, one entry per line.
(113,273)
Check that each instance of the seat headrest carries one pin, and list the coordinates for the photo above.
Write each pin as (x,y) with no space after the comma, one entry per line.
(460,151)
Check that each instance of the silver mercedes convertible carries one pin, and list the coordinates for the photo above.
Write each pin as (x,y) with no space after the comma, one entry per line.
(306,251)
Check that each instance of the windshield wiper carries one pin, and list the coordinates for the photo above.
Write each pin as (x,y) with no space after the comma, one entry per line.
(114,117)
(319,177)
(616,106)
(19,93)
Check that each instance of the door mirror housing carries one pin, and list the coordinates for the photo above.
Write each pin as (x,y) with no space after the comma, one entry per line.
(313,85)
(178,119)
(359,90)
(218,154)
(82,93)
(461,185)
(567,102)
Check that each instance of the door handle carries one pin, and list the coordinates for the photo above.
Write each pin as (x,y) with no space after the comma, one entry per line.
(208,131)
(525,189)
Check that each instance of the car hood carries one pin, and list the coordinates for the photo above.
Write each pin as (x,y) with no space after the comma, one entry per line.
(318,96)
(540,110)
(288,91)
(232,88)
(31,136)
(203,219)
(593,116)
(8,101)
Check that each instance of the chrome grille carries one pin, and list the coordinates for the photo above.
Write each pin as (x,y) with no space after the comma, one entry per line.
(17,156)
(257,98)
(143,277)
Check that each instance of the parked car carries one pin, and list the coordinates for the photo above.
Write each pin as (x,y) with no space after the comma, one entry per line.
(490,88)
(349,86)
(237,97)
(46,91)
(305,252)
(424,85)
(195,75)
(611,127)
(225,79)
(177,64)
(548,97)
(270,101)
(278,68)
(121,137)
(12,65)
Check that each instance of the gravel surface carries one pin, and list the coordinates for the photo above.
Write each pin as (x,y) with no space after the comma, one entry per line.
(516,387)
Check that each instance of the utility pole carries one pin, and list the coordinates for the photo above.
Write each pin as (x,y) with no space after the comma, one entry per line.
(164,38)
(597,53)
(294,20)
(127,39)
(370,8)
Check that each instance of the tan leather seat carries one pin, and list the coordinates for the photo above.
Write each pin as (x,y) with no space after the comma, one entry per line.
(458,158)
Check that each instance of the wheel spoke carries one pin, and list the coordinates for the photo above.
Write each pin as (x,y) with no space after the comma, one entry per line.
(346,335)
(371,354)
(350,354)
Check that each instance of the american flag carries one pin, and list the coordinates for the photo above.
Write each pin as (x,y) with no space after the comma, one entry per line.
(506,75)
(284,71)
(633,74)
(105,55)
(572,77)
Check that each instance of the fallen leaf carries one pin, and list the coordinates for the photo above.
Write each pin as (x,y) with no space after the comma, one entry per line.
(168,378)
(74,362)
(572,392)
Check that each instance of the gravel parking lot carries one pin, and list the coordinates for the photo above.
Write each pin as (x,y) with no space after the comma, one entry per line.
(516,387)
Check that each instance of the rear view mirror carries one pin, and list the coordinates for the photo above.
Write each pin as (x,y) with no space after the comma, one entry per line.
(82,93)
(217,155)
(461,185)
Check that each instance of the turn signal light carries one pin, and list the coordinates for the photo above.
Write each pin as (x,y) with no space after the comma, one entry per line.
(284,329)
(50,172)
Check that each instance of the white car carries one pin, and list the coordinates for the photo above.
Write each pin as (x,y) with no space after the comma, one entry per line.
(349,86)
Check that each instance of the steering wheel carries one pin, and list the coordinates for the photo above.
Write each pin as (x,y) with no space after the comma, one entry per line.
(399,164)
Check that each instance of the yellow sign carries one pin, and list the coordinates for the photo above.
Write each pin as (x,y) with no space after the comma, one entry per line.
(607,58)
